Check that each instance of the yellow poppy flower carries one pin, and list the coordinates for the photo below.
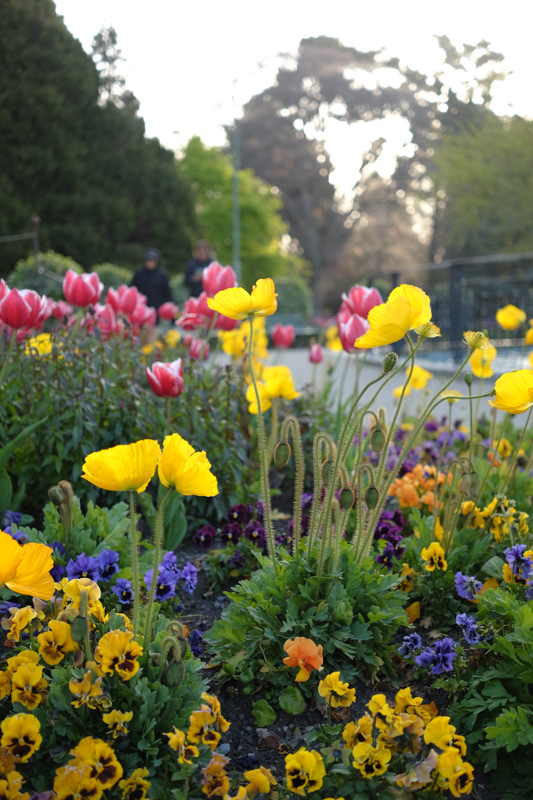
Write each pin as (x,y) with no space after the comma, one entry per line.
(481,362)
(237,303)
(407,307)
(188,471)
(124,468)
(514,392)
(510,317)
(25,569)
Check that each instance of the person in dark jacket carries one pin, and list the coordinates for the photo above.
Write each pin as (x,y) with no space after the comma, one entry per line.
(152,281)
(201,259)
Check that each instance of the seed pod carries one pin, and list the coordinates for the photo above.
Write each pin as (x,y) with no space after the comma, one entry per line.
(389,362)
(78,629)
(346,498)
(475,483)
(371,497)
(282,453)
(377,440)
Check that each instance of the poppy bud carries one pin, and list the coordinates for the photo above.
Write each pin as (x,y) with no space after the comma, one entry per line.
(377,440)
(390,362)
(327,469)
(346,498)
(468,378)
(175,674)
(466,484)
(56,495)
(522,462)
(282,453)
(475,483)
(371,497)
(78,628)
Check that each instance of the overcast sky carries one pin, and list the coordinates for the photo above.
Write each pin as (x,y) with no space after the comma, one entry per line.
(186,60)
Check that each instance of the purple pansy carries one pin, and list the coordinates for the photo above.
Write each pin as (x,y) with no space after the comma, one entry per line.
(466,587)
(440,658)
(83,567)
(123,589)
(107,564)
(204,536)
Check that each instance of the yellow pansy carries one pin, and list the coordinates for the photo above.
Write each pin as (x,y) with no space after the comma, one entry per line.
(514,392)
(25,569)
(101,758)
(20,735)
(434,555)
(188,471)
(136,786)
(407,308)
(304,771)
(237,303)
(335,691)
(56,643)
(126,467)
(510,317)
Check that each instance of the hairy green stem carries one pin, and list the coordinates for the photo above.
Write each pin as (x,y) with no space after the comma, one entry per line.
(134,561)
(265,484)
(158,542)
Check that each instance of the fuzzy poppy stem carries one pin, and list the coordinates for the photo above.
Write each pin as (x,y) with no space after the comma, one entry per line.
(134,562)
(158,541)
(265,485)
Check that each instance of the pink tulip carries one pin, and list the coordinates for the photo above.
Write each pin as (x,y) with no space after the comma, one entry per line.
(215,278)
(106,322)
(315,353)
(360,300)
(222,323)
(168,311)
(124,299)
(191,319)
(61,310)
(166,379)
(282,335)
(21,309)
(4,288)
(350,328)
(143,315)
(82,290)
(197,348)
(45,312)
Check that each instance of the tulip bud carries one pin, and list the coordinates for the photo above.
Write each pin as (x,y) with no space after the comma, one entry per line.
(282,453)
(346,498)
(468,378)
(371,497)
(389,362)
(377,440)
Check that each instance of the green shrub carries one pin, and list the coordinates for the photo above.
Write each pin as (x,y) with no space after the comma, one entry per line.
(180,292)
(353,613)
(46,277)
(294,297)
(113,275)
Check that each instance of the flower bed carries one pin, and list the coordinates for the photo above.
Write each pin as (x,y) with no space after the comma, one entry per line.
(375,636)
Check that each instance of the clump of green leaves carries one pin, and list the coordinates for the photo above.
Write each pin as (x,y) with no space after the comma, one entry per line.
(353,613)
(497,711)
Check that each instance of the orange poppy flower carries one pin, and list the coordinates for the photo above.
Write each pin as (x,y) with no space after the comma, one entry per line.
(303,653)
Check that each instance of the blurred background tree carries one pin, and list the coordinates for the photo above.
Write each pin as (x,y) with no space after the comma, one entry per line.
(74,151)
(210,172)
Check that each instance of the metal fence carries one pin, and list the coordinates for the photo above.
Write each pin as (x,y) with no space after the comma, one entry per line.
(466,293)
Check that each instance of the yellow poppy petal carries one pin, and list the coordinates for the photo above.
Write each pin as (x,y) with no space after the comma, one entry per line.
(234,303)
(263,298)
(514,391)
(26,568)
(188,471)
(126,467)
(418,300)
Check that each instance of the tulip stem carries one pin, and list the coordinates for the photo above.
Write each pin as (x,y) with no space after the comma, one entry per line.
(158,539)
(169,416)
(8,355)
(265,485)
(134,565)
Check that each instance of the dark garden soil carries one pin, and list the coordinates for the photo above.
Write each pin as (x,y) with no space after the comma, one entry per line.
(249,746)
